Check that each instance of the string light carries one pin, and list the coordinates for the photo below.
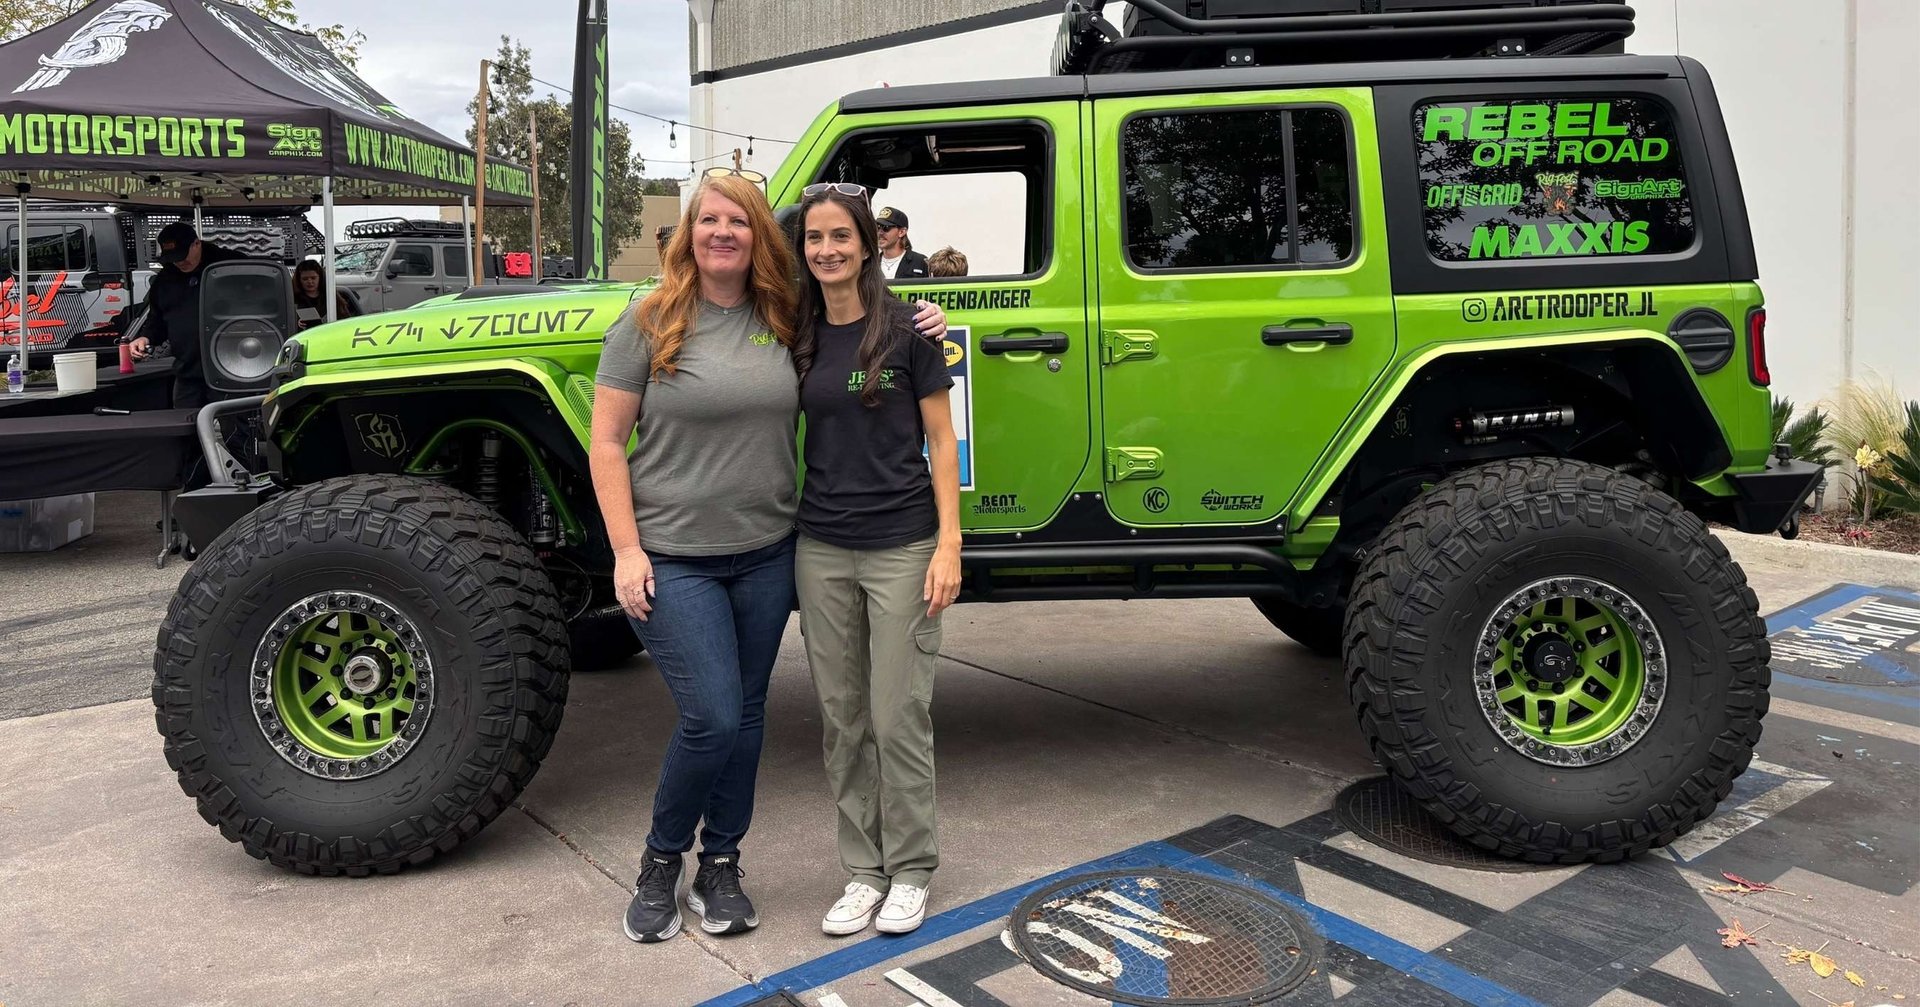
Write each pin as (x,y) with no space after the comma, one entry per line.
(670,122)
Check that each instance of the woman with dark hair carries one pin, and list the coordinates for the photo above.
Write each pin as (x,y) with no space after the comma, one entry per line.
(310,295)
(878,558)
(700,518)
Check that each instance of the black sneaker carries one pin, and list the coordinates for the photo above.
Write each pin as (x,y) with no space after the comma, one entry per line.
(654,913)
(716,896)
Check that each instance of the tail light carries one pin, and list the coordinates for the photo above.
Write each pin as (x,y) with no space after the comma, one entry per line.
(1757,347)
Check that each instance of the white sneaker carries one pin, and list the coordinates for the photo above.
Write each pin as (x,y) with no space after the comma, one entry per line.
(855,909)
(906,906)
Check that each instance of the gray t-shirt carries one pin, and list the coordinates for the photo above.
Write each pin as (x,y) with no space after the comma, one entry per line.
(714,471)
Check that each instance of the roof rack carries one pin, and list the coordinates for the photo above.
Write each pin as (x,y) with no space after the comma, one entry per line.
(1237,33)
(400,227)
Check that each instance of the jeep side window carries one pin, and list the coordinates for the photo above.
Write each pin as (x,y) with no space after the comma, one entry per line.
(979,188)
(1241,188)
(413,260)
(453,260)
(1527,177)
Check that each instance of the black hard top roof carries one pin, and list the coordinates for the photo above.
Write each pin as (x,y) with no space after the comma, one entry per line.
(1116,85)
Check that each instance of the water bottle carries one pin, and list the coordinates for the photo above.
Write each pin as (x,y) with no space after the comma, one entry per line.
(16,375)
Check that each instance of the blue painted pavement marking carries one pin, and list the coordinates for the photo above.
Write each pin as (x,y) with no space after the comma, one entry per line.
(1806,614)
(1428,968)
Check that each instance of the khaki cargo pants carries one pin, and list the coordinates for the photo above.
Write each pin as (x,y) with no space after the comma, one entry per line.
(872,649)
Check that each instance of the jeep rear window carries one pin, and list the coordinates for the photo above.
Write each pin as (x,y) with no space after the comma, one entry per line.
(1243,188)
(1541,178)
(50,248)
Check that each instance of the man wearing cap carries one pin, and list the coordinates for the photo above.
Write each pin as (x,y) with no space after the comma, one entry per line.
(898,260)
(173,309)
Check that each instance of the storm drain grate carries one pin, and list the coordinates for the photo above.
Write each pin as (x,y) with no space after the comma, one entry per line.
(1381,813)
(1163,937)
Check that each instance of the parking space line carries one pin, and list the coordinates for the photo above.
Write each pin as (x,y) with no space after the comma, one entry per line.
(1791,787)
(921,991)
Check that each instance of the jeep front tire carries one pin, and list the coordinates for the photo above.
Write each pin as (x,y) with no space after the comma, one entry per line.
(360,675)
(1557,661)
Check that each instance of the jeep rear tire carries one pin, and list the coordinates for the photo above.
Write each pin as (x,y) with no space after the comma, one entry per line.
(360,675)
(1557,661)
(1317,629)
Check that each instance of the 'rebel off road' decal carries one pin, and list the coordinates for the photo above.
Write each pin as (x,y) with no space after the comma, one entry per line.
(1548,178)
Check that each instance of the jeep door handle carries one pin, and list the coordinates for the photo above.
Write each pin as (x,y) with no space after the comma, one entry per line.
(431,290)
(1045,342)
(1337,334)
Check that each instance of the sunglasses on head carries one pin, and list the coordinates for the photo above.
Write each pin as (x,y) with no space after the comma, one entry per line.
(749,174)
(843,188)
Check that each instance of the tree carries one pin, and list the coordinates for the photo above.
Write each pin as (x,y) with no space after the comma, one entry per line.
(509,110)
(18,17)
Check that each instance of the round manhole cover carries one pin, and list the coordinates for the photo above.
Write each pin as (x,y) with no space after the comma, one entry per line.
(1381,813)
(1163,937)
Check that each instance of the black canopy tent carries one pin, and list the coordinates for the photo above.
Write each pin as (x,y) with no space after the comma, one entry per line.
(199,102)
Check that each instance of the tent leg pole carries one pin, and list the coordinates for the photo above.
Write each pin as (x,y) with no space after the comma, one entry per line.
(326,244)
(466,226)
(21,282)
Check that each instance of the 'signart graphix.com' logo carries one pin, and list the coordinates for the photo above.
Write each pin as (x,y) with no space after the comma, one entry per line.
(290,140)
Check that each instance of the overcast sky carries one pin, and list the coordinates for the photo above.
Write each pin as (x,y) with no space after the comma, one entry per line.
(425,57)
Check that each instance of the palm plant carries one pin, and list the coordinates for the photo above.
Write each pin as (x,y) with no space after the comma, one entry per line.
(1806,436)
(1899,482)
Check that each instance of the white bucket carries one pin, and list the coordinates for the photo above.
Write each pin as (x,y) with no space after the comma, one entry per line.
(75,372)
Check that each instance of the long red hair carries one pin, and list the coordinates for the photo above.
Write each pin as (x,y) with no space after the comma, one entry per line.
(667,314)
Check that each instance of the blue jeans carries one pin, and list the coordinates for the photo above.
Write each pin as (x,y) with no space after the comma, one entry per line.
(714,632)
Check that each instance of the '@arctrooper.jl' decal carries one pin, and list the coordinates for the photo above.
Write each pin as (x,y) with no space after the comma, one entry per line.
(99,42)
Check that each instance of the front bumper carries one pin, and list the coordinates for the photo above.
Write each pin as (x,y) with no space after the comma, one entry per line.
(1768,500)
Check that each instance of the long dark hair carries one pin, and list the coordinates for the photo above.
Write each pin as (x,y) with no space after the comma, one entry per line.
(299,293)
(884,311)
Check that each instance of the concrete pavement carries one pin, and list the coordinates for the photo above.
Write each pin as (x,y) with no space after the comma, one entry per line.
(1068,733)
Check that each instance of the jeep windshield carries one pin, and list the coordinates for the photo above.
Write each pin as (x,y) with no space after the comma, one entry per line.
(360,257)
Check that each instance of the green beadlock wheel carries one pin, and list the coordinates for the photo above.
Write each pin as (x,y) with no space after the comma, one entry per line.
(342,685)
(1570,671)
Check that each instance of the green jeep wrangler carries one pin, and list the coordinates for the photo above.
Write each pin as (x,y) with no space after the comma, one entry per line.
(1443,358)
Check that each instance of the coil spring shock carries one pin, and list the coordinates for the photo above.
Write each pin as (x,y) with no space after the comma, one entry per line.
(486,470)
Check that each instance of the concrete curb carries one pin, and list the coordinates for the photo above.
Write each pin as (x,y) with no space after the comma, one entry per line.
(1850,563)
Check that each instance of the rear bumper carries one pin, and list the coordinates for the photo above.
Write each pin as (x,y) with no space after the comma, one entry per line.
(1767,500)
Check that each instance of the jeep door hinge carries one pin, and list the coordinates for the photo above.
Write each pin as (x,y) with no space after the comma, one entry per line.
(1132,463)
(1125,344)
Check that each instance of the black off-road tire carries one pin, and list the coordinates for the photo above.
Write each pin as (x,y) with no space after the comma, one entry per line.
(1428,589)
(602,639)
(1317,629)
(487,617)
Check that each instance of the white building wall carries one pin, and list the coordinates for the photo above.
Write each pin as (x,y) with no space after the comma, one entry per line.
(781,103)
(1818,95)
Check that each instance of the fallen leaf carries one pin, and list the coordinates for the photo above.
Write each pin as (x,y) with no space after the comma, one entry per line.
(1733,935)
(1823,966)
(1795,955)
(1854,978)
(1749,887)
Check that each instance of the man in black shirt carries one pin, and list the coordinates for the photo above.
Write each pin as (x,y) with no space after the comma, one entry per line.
(173,309)
(898,260)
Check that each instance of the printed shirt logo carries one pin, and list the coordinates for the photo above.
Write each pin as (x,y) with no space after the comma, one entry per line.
(99,42)
(858,380)
(761,339)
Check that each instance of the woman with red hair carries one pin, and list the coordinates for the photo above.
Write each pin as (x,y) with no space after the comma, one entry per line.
(701,521)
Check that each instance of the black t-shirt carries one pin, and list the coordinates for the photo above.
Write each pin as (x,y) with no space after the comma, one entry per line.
(867,484)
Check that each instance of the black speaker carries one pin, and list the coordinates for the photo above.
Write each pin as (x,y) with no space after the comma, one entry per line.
(246,312)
